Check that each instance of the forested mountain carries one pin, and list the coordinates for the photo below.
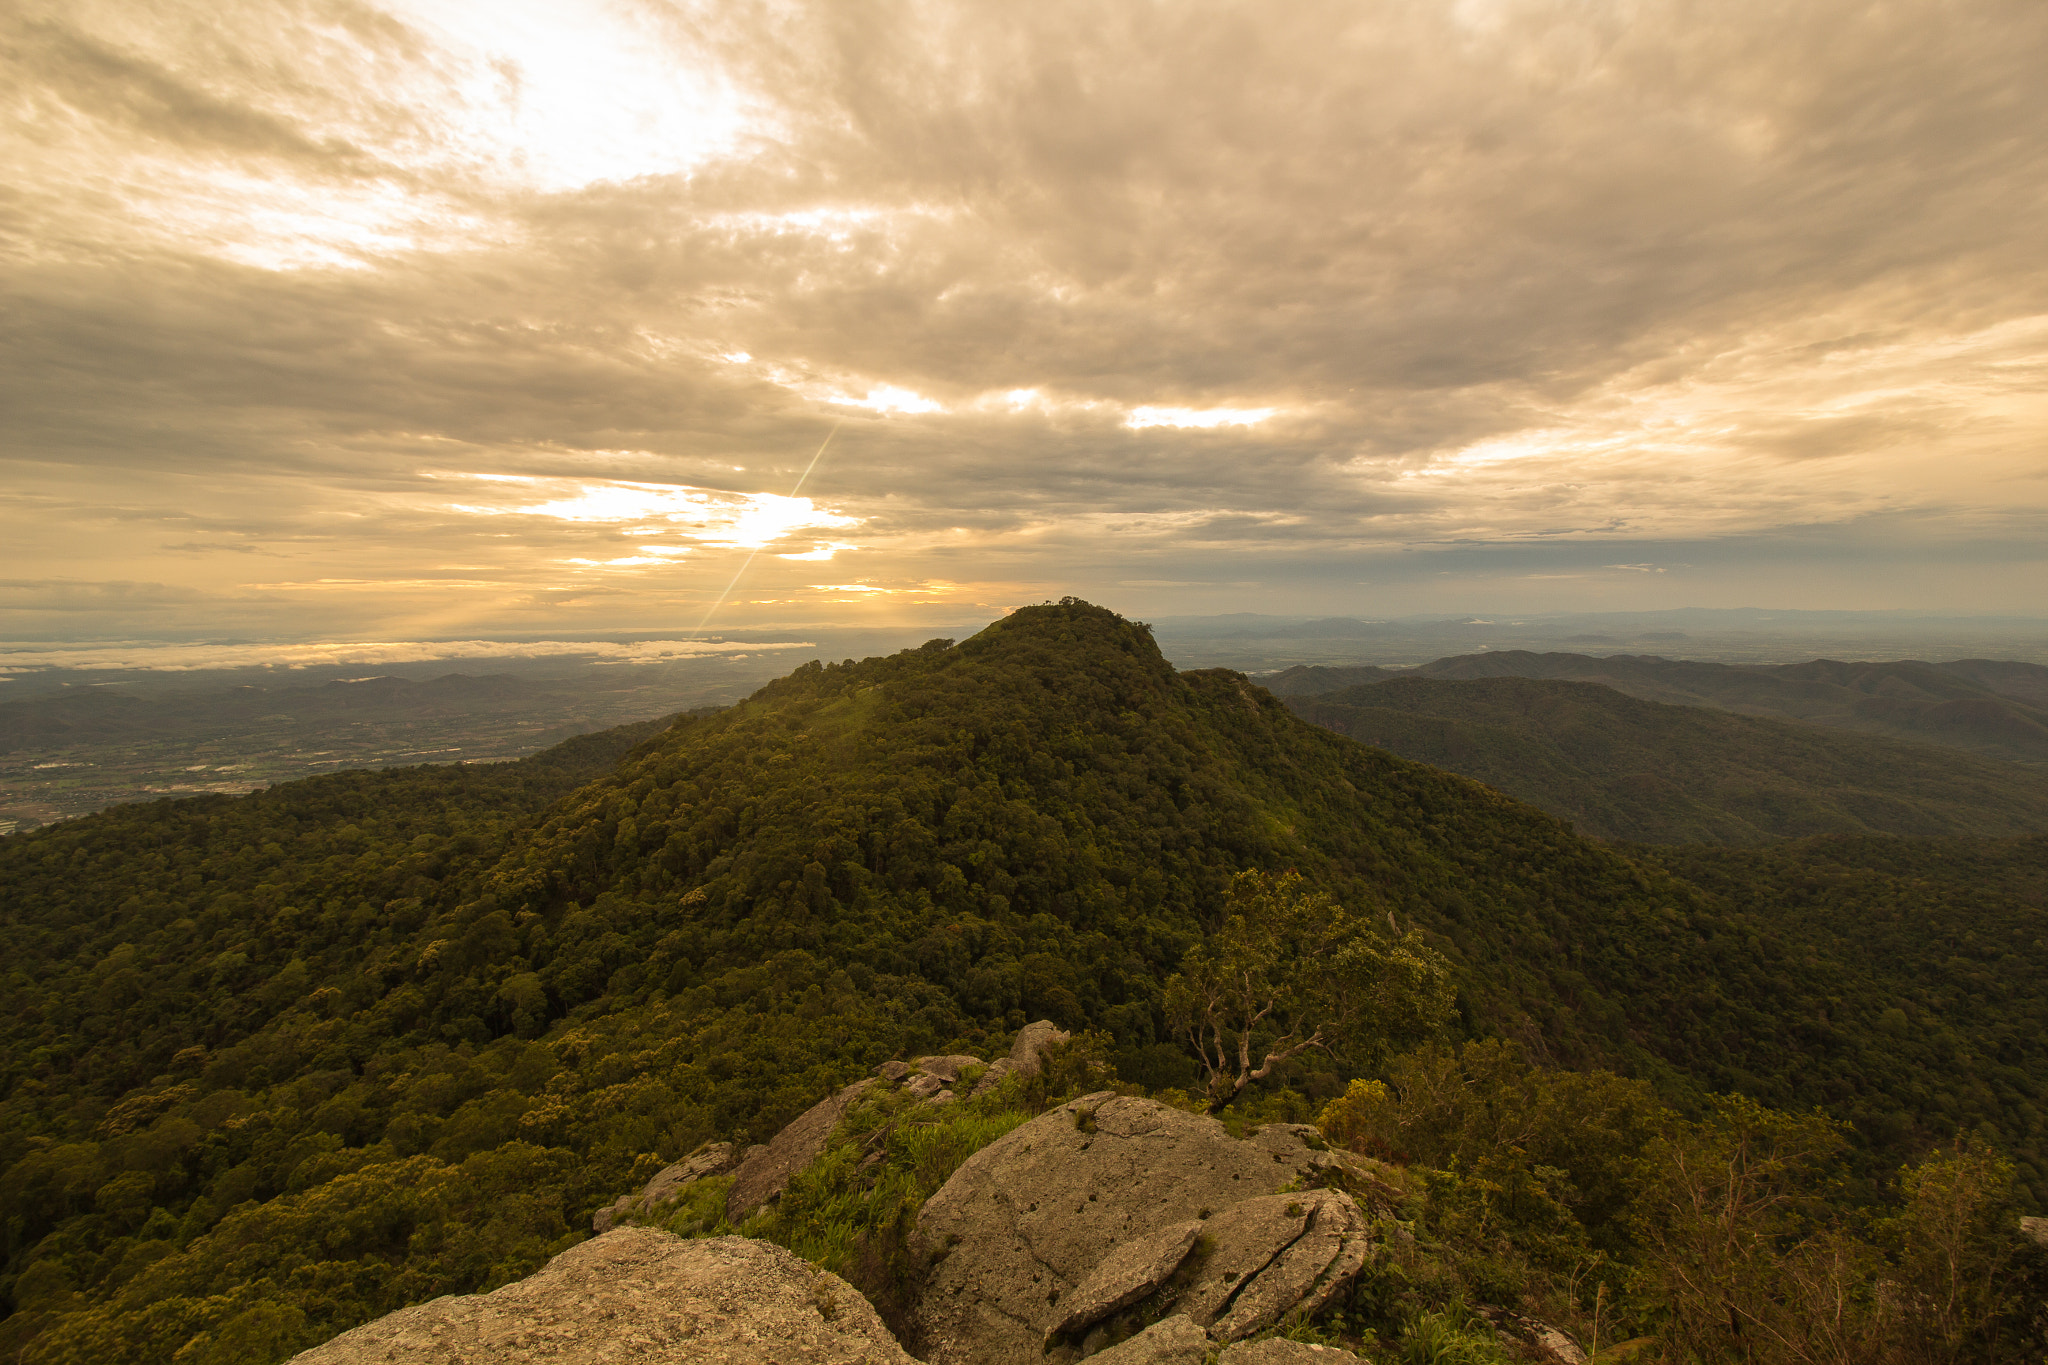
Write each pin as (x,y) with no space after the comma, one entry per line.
(1618,767)
(1998,710)
(278,1063)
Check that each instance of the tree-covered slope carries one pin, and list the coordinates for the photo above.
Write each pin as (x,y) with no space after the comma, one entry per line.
(278,1064)
(1619,767)
(1981,706)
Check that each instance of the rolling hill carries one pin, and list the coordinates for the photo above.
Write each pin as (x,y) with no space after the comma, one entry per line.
(1622,768)
(1982,706)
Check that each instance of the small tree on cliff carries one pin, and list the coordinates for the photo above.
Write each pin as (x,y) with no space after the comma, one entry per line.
(1291,971)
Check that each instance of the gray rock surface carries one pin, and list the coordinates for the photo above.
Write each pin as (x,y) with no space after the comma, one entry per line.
(1274,1351)
(713,1158)
(766,1171)
(997,1069)
(1027,1219)
(637,1297)
(1033,1040)
(1546,1343)
(1026,1054)
(2035,1230)
(1307,1271)
(947,1069)
(1127,1274)
(1170,1341)
(1248,1237)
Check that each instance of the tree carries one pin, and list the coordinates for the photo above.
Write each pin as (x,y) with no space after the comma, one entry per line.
(1954,1243)
(1291,971)
(1739,1243)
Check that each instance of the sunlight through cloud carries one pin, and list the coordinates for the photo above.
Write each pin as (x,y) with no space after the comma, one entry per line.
(710,517)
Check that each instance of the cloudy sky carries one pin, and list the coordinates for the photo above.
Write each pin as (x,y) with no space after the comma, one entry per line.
(401,319)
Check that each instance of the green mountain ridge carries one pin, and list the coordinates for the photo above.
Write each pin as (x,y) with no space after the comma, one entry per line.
(276,1064)
(1620,768)
(1982,706)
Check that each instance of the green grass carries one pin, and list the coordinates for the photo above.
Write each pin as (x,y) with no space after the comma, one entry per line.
(1453,1337)
(851,1210)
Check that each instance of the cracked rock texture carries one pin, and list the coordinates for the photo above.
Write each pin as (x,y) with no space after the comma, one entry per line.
(1025,1221)
(1172,1341)
(1126,1275)
(1306,1272)
(637,1297)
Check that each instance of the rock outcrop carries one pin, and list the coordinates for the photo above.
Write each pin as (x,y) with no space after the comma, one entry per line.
(1027,1054)
(638,1295)
(1040,1240)
(1536,1339)
(766,1170)
(713,1158)
(1123,1277)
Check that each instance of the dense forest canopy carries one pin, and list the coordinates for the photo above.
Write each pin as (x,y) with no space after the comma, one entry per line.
(1619,767)
(276,1064)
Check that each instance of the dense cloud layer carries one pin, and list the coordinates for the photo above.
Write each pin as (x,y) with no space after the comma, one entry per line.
(437,318)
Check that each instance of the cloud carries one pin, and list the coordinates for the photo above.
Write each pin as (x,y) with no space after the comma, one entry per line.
(1093,299)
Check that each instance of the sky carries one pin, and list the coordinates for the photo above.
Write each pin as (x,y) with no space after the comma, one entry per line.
(342,320)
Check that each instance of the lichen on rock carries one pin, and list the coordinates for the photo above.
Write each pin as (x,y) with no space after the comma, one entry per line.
(638,1295)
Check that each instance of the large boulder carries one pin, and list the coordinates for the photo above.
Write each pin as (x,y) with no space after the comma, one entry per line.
(1276,1255)
(767,1169)
(1027,1054)
(1123,1277)
(1041,1238)
(641,1296)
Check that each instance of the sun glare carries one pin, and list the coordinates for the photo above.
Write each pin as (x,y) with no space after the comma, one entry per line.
(708,517)
(561,97)
(889,398)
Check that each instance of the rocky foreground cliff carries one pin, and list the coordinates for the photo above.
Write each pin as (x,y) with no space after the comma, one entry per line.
(1111,1228)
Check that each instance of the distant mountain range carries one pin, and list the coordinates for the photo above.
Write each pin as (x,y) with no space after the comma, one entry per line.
(1250,642)
(1622,768)
(1982,706)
